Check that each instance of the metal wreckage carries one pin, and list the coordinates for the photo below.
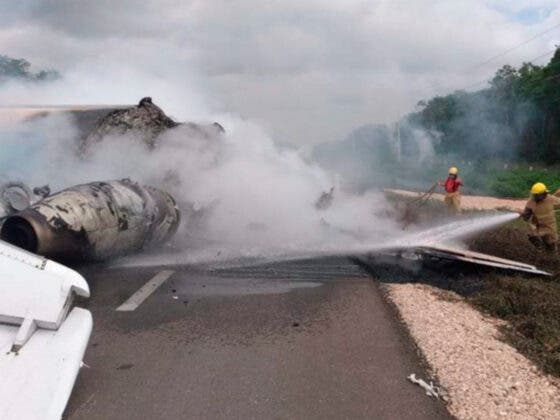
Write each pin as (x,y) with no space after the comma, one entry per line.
(94,221)
(43,336)
(102,219)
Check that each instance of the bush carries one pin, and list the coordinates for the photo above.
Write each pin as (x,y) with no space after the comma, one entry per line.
(517,182)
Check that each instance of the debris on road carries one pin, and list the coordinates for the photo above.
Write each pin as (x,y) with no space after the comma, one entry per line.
(14,197)
(325,200)
(445,253)
(431,389)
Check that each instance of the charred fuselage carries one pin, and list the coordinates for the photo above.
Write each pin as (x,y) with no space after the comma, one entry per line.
(94,221)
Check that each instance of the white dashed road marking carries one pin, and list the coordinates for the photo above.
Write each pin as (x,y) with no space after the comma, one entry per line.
(145,291)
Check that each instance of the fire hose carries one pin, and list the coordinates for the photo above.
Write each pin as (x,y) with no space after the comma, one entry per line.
(415,204)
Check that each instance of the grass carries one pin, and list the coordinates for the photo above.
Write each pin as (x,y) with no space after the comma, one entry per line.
(517,182)
(498,179)
(532,309)
(530,305)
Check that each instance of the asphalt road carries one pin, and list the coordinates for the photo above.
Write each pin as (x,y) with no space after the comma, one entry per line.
(306,340)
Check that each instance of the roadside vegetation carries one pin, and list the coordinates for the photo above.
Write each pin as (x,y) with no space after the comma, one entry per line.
(515,118)
(494,178)
(21,70)
(503,137)
(530,305)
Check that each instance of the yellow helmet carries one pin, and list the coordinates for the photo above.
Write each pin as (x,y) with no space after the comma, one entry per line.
(453,170)
(539,188)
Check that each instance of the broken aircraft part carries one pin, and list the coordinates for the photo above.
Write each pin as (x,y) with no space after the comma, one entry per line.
(14,197)
(429,252)
(43,191)
(43,338)
(431,389)
(146,120)
(94,221)
(325,200)
(456,254)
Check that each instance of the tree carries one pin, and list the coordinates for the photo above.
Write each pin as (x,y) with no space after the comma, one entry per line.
(20,69)
(516,117)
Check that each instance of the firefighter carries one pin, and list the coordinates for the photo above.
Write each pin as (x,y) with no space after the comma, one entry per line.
(539,212)
(452,187)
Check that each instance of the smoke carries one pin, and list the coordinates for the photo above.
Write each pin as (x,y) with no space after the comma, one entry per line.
(311,71)
(381,156)
(241,195)
(110,80)
(423,141)
(244,194)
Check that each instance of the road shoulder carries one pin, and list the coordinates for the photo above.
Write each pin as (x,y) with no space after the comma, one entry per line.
(481,375)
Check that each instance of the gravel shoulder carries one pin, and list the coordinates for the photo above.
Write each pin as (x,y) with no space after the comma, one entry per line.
(471,202)
(482,377)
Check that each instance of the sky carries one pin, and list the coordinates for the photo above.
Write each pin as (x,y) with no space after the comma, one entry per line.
(306,71)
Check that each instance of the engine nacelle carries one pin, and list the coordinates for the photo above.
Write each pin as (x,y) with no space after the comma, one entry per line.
(94,221)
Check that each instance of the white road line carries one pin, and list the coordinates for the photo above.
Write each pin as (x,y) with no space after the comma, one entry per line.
(142,294)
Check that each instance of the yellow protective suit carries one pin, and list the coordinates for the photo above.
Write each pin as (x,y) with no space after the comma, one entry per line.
(541,214)
(453,202)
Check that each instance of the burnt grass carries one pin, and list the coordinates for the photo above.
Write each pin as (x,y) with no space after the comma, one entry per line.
(529,304)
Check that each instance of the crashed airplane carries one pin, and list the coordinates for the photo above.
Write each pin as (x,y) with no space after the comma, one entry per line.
(94,221)
(104,219)
(101,219)
(42,337)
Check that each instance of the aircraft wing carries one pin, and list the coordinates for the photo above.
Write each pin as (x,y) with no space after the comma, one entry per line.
(42,337)
(458,254)
(443,253)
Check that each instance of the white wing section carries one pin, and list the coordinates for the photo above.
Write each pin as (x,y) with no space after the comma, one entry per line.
(458,254)
(36,382)
(41,345)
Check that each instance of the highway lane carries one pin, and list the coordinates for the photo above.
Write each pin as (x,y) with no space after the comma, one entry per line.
(297,340)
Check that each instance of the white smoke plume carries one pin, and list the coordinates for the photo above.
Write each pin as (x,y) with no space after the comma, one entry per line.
(256,199)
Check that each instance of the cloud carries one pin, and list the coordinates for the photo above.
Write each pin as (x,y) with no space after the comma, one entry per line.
(307,71)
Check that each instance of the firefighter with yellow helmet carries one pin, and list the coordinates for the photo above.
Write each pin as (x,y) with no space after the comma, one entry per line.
(540,213)
(452,187)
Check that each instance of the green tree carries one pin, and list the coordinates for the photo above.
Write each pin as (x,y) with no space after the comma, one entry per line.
(517,117)
(20,69)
